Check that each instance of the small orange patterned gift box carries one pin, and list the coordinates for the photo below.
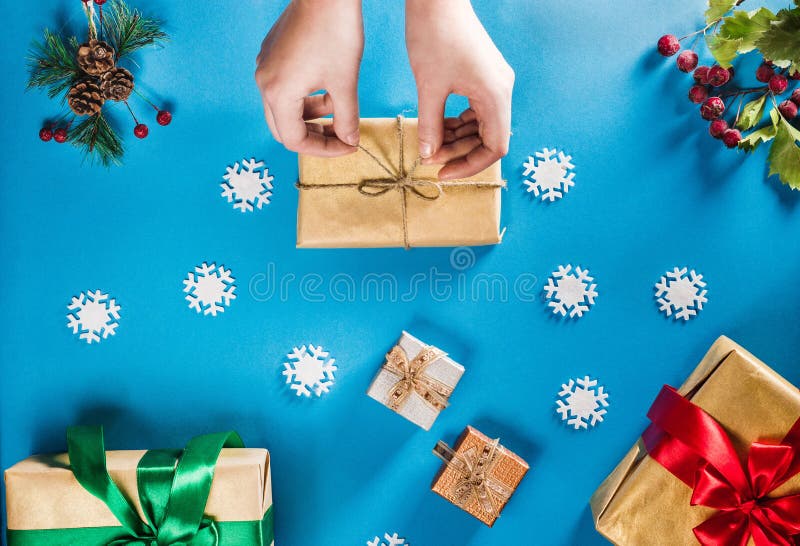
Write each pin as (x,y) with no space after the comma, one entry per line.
(479,475)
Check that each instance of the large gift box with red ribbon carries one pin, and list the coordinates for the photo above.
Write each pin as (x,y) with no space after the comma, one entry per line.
(719,464)
(212,493)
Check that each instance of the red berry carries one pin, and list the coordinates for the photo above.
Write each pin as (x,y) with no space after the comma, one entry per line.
(701,75)
(45,134)
(731,138)
(764,73)
(778,84)
(60,135)
(668,45)
(712,108)
(99,2)
(795,75)
(698,93)
(796,96)
(788,109)
(687,61)
(141,130)
(163,117)
(718,128)
(718,76)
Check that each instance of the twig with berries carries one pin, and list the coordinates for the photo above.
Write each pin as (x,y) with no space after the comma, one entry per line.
(89,76)
(730,33)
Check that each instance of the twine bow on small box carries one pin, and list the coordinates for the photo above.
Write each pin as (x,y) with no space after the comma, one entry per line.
(476,481)
(402,181)
(414,379)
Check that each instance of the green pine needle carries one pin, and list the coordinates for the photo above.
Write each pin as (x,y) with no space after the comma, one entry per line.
(128,30)
(96,138)
(52,64)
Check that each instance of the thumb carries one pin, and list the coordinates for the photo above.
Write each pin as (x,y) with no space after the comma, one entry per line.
(345,114)
(431,122)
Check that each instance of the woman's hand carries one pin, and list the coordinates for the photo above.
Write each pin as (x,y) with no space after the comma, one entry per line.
(315,44)
(450,52)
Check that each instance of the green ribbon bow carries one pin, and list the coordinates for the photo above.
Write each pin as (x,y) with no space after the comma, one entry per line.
(173,490)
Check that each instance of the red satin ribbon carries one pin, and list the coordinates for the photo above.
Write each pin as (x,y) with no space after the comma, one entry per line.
(689,443)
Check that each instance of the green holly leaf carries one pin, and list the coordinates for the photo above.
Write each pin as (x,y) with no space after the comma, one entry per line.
(751,113)
(717,9)
(747,27)
(781,42)
(723,49)
(784,156)
(754,139)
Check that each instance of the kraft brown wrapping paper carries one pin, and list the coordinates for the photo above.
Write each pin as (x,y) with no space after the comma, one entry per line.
(42,492)
(642,504)
(345,218)
(509,469)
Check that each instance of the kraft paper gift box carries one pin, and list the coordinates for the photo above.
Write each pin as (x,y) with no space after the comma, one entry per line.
(48,506)
(478,475)
(641,503)
(416,381)
(380,197)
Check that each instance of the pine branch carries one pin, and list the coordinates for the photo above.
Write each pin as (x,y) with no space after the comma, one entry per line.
(97,139)
(128,30)
(52,64)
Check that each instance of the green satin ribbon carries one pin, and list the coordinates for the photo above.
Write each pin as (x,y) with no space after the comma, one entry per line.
(173,491)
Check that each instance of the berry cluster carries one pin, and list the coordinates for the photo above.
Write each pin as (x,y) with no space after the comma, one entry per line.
(709,79)
(59,134)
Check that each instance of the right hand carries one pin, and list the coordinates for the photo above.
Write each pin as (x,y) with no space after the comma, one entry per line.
(315,44)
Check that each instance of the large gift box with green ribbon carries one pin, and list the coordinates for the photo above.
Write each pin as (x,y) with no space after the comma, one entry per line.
(215,492)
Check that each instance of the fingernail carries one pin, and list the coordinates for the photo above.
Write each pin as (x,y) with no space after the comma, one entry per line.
(425,149)
(352,138)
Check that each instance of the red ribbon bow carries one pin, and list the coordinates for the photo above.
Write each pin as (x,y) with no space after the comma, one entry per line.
(692,446)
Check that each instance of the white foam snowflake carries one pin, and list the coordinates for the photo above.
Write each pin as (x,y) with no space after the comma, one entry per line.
(551,174)
(92,315)
(568,292)
(209,289)
(309,370)
(681,294)
(581,401)
(390,540)
(247,185)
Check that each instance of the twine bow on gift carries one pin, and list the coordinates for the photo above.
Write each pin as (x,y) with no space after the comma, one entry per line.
(476,481)
(402,181)
(414,379)
(173,488)
(692,445)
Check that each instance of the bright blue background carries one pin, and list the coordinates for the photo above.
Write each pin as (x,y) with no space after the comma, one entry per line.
(652,191)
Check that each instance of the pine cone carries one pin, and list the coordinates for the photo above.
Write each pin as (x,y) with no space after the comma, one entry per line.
(95,57)
(116,84)
(85,98)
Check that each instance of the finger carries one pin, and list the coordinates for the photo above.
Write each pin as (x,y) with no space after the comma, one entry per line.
(449,136)
(317,106)
(468,115)
(454,150)
(296,134)
(271,122)
(452,123)
(345,114)
(473,163)
(467,129)
(326,129)
(431,121)
(494,122)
